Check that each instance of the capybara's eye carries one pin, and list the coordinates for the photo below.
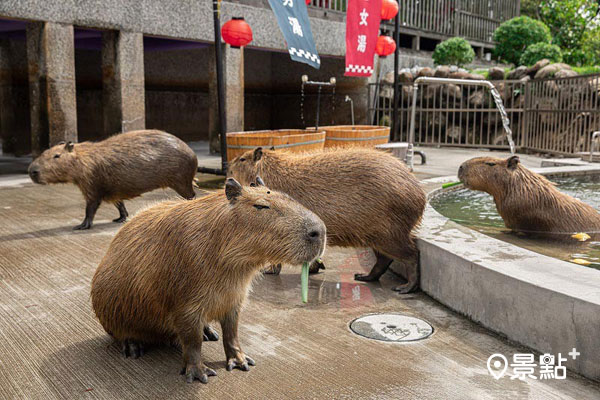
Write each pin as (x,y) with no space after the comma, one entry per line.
(491,164)
(56,155)
(242,159)
(261,207)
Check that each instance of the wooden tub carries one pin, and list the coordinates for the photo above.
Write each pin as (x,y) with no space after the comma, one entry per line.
(356,135)
(294,140)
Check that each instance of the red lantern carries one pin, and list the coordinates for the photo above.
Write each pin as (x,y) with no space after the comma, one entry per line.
(237,32)
(389,9)
(308,2)
(385,46)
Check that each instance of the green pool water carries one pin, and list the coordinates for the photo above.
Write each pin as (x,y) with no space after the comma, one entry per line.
(478,211)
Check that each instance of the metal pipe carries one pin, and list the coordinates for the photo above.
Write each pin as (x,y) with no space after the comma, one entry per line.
(593,145)
(427,79)
(213,171)
(348,98)
(220,85)
(394,131)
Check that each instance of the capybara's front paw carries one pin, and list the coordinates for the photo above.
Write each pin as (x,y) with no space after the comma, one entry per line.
(316,266)
(272,269)
(120,219)
(240,361)
(132,348)
(364,278)
(197,371)
(84,225)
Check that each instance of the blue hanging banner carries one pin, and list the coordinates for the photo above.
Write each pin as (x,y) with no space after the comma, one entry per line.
(292,17)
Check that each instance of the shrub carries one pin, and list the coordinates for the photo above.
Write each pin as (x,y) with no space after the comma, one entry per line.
(454,51)
(539,51)
(515,35)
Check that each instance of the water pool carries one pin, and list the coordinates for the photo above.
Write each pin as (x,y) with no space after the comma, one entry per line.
(477,210)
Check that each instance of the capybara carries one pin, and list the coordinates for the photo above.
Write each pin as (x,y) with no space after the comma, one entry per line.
(528,202)
(119,168)
(179,265)
(367,198)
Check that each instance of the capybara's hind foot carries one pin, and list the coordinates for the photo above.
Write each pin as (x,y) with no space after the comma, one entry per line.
(209,334)
(405,288)
(200,372)
(240,361)
(132,348)
(316,266)
(120,219)
(84,225)
(365,278)
(272,269)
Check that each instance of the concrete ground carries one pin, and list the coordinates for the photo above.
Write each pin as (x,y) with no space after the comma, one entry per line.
(52,346)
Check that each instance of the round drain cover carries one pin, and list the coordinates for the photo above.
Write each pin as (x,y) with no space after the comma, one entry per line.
(391,327)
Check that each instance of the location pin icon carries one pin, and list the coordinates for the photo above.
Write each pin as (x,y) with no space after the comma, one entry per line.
(497,364)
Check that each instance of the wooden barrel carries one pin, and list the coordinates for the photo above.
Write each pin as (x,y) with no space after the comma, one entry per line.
(356,135)
(294,140)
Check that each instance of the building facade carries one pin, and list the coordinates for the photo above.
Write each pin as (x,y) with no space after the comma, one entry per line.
(82,70)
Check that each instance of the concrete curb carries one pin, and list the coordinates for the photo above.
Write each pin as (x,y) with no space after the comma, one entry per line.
(549,305)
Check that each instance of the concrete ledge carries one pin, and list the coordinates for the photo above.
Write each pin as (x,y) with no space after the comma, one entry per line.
(549,305)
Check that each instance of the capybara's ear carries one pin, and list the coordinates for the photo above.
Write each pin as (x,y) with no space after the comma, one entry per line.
(232,189)
(258,153)
(259,181)
(272,148)
(69,146)
(512,162)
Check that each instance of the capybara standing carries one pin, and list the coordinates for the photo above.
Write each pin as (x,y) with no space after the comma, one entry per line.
(119,168)
(367,198)
(179,265)
(526,201)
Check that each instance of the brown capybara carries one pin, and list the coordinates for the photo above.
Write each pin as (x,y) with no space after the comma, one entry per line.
(119,168)
(527,201)
(367,198)
(179,265)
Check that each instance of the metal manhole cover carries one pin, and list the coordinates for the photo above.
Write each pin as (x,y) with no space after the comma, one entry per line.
(391,327)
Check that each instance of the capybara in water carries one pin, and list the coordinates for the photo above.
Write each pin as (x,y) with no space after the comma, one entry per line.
(179,265)
(119,168)
(367,198)
(527,201)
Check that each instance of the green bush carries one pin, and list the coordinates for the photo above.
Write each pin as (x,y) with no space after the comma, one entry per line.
(539,51)
(454,51)
(515,35)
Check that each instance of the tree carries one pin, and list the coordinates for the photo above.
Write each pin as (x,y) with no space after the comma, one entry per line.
(539,51)
(454,51)
(569,20)
(515,35)
(531,8)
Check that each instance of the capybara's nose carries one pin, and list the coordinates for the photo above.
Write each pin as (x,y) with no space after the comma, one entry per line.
(314,234)
(34,174)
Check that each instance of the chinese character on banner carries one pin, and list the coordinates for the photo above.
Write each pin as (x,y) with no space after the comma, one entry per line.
(362,28)
(292,18)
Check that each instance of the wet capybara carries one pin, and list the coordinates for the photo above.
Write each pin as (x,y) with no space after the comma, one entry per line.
(528,202)
(119,168)
(179,265)
(367,198)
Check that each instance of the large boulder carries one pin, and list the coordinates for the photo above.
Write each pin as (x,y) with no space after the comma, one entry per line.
(565,73)
(518,73)
(496,74)
(537,66)
(551,70)
(427,71)
(442,71)
(405,77)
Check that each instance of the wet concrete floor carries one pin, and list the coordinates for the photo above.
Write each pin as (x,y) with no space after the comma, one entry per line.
(51,345)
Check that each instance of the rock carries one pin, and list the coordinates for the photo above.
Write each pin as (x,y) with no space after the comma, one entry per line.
(477,77)
(537,66)
(460,75)
(405,77)
(525,79)
(478,99)
(565,73)
(453,68)
(550,70)
(518,73)
(442,71)
(454,131)
(426,72)
(388,78)
(496,74)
